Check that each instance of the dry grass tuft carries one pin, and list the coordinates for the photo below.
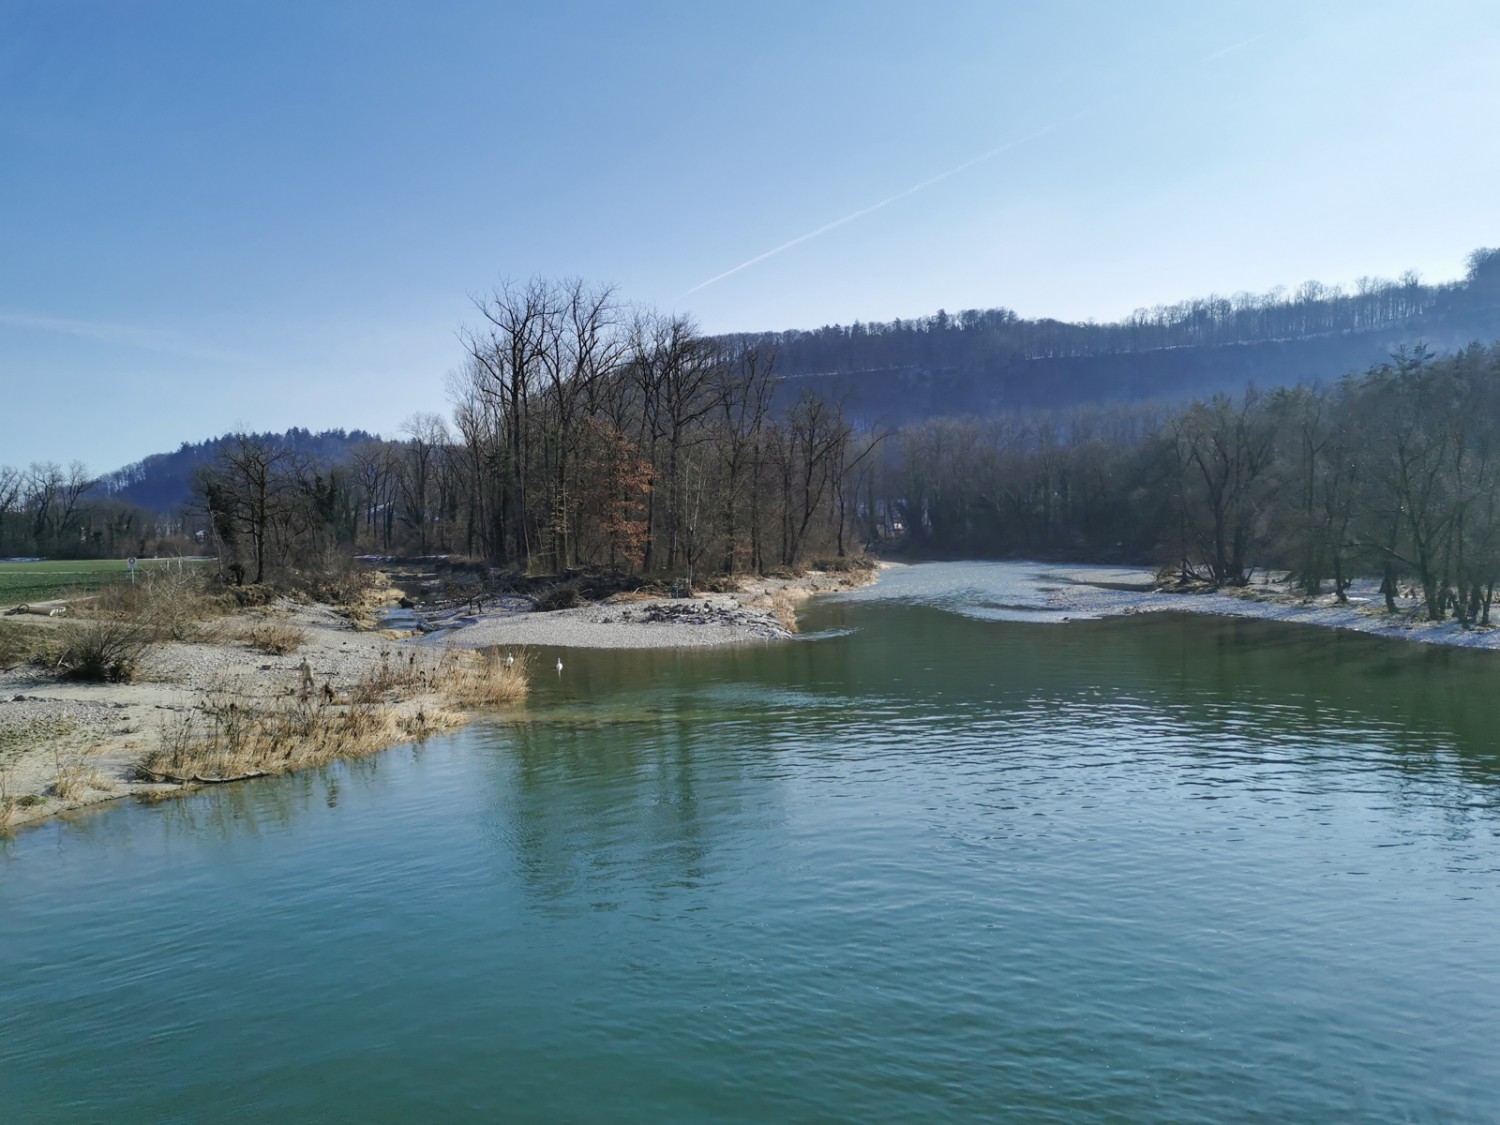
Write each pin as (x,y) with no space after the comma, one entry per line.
(482,679)
(275,639)
(20,642)
(233,736)
(8,805)
(784,607)
(73,777)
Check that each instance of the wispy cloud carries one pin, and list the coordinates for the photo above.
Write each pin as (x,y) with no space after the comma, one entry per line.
(941,176)
(134,336)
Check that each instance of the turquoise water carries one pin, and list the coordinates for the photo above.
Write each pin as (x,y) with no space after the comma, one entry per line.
(917,865)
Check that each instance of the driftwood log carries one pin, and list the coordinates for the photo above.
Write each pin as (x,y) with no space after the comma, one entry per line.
(152,775)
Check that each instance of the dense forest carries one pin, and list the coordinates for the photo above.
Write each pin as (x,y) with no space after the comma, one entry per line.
(586,433)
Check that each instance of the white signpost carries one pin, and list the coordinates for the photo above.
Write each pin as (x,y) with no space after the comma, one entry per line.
(130,562)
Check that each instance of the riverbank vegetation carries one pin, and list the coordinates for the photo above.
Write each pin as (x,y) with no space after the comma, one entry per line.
(121,696)
(1394,473)
(642,447)
(232,735)
(592,436)
(585,435)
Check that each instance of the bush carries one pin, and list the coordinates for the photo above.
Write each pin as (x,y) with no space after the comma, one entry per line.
(332,580)
(847,564)
(559,597)
(253,596)
(275,639)
(170,602)
(102,651)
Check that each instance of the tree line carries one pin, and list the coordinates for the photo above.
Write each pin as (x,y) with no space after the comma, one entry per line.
(986,339)
(47,509)
(585,433)
(1394,473)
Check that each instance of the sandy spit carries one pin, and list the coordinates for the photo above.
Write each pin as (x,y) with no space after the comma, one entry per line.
(99,731)
(748,614)
(1094,592)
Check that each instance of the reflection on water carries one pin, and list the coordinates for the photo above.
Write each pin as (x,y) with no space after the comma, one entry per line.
(928,864)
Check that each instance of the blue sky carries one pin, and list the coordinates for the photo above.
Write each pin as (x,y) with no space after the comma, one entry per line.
(273,214)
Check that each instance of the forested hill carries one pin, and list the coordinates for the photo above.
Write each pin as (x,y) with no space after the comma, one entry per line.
(990,361)
(163,481)
(985,360)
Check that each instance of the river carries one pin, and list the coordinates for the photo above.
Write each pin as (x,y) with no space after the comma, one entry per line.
(933,860)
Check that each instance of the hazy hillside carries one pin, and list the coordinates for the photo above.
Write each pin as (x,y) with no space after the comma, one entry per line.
(981,361)
(990,360)
(163,481)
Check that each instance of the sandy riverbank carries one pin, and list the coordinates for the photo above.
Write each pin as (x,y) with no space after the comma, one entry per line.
(1094,592)
(67,745)
(760,609)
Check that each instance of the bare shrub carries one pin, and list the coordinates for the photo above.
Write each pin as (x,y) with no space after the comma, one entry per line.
(11,802)
(559,597)
(393,673)
(8,804)
(845,564)
(252,596)
(107,650)
(275,639)
(168,601)
(333,580)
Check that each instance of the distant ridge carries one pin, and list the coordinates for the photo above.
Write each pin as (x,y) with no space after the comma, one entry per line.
(163,482)
(980,361)
(987,361)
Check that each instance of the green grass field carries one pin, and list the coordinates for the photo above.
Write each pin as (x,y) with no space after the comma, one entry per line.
(42,581)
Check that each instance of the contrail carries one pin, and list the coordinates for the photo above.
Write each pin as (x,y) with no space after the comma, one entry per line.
(939,178)
(863,211)
(1236,47)
(152,339)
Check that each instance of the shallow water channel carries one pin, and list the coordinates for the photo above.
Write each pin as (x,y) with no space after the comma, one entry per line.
(924,863)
